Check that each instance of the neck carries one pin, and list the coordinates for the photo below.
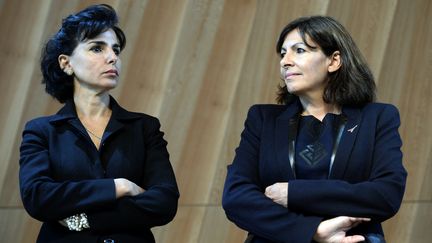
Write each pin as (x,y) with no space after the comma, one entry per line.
(91,102)
(318,108)
(92,105)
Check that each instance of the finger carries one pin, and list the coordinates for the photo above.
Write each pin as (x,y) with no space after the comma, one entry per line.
(270,196)
(270,188)
(343,222)
(140,189)
(351,222)
(268,191)
(355,219)
(353,239)
(362,219)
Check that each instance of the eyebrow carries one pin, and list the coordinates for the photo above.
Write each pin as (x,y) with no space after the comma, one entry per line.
(102,43)
(293,45)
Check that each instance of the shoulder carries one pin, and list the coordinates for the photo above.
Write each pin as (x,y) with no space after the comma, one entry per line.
(372,111)
(266,110)
(144,117)
(38,129)
(381,111)
(124,115)
(39,123)
(381,114)
(139,121)
(380,107)
(120,113)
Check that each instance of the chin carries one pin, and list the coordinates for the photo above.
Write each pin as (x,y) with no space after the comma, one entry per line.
(291,90)
(110,84)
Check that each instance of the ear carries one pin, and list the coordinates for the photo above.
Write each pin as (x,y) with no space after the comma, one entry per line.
(335,62)
(64,62)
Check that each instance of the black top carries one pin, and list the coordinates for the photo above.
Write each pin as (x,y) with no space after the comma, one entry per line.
(314,146)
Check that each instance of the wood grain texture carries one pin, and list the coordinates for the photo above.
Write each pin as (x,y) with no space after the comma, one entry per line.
(199,65)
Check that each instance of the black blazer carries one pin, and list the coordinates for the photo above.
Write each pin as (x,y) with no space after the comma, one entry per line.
(62,174)
(367,178)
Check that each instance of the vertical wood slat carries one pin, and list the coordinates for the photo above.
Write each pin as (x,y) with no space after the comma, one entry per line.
(16,67)
(213,104)
(370,33)
(156,40)
(198,65)
(200,25)
(407,82)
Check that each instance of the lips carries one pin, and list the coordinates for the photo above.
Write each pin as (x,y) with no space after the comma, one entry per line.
(291,75)
(112,71)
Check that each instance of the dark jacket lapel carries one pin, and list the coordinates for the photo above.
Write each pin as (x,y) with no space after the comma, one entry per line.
(348,138)
(283,126)
(68,114)
(119,116)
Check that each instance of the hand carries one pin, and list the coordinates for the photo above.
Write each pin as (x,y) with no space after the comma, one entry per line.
(125,187)
(334,230)
(278,192)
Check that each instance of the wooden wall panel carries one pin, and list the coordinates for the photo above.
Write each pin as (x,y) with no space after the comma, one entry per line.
(406,81)
(152,55)
(199,65)
(371,32)
(411,224)
(17,65)
(213,103)
(17,226)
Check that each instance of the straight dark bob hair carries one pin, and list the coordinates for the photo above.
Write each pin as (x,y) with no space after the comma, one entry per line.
(353,84)
(84,25)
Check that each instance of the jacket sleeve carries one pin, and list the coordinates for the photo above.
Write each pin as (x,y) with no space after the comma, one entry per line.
(244,201)
(157,205)
(379,197)
(46,199)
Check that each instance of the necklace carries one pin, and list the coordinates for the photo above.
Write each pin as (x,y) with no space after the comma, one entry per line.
(94,135)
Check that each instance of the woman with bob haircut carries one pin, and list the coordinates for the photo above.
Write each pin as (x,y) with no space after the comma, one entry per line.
(325,165)
(93,172)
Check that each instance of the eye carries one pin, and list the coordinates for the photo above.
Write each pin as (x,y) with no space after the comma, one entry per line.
(96,49)
(282,54)
(116,51)
(300,50)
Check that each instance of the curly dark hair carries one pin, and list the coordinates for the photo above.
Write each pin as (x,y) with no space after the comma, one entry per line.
(84,25)
(353,83)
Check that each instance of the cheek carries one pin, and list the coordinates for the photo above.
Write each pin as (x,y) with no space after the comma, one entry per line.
(315,64)
(83,63)
(318,67)
(118,65)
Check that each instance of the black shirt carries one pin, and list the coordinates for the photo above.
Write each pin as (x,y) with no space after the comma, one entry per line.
(314,146)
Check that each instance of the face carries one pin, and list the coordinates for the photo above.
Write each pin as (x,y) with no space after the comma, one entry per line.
(95,62)
(304,69)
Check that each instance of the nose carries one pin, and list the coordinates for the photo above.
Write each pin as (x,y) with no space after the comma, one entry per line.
(286,61)
(112,57)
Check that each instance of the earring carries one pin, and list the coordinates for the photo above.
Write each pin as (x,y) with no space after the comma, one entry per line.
(69,72)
